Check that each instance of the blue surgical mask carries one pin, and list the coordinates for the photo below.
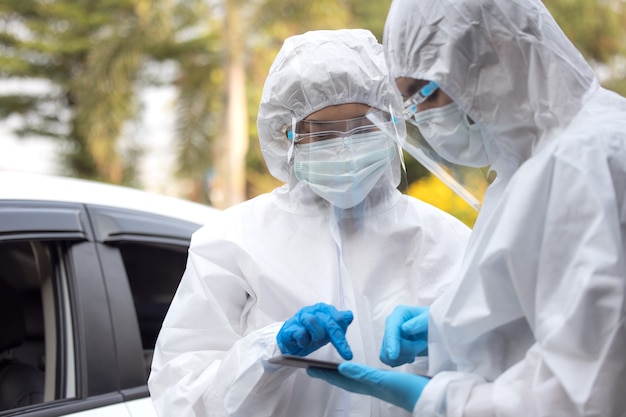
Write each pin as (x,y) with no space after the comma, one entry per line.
(343,171)
(450,134)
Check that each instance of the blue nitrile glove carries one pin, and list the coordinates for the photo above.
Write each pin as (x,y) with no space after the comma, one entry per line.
(400,388)
(406,335)
(314,326)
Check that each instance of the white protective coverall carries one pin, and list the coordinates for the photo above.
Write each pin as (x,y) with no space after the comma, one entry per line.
(259,262)
(536,325)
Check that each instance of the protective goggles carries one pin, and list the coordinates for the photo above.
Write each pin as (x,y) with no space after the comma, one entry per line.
(306,131)
(410,105)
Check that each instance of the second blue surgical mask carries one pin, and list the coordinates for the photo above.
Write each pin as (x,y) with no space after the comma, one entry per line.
(343,171)
(451,135)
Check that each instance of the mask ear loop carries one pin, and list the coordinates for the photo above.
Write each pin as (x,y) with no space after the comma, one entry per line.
(291,135)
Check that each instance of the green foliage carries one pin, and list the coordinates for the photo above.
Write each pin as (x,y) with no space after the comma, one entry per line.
(595,27)
(370,15)
(55,41)
(94,55)
(598,29)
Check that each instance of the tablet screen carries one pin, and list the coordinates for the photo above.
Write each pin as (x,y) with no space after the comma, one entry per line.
(302,362)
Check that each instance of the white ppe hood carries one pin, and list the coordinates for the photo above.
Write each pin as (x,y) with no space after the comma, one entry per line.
(505,63)
(536,325)
(309,74)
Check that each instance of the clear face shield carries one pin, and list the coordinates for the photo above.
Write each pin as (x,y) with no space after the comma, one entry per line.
(468,182)
(344,160)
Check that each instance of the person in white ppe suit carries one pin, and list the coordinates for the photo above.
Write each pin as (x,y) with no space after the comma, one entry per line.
(338,239)
(536,325)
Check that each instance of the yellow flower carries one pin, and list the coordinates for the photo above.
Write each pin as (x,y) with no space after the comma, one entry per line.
(432,191)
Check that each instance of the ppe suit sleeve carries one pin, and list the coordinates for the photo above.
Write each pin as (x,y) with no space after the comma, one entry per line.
(204,363)
(556,254)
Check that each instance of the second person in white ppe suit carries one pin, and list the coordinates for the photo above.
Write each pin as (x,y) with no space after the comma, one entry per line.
(536,325)
(338,235)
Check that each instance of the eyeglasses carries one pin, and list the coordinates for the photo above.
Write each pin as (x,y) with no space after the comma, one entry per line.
(410,105)
(307,131)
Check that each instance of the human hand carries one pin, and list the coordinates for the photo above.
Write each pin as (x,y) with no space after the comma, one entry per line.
(406,335)
(314,326)
(399,388)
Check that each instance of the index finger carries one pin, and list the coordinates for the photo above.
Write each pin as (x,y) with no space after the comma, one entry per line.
(338,339)
(392,335)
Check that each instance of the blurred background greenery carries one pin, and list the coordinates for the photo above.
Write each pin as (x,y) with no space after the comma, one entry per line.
(96,55)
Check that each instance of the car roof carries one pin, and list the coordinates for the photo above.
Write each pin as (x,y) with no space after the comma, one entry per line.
(42,187)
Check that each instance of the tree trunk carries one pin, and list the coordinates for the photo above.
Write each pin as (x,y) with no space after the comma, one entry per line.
(230,185)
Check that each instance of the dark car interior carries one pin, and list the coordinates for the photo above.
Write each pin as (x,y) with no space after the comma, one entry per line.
(22,342)
(154,272)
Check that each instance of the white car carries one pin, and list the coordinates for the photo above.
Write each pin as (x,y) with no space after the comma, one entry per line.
(87,272)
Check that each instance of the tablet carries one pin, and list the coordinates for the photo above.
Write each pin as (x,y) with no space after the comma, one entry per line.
(302,362)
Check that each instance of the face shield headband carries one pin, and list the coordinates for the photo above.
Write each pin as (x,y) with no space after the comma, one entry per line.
(467,182)
(305,131)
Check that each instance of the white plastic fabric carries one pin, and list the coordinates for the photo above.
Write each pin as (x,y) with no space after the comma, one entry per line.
(536,326)
(257,263)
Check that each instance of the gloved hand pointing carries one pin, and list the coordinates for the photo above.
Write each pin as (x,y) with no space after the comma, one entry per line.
(406,335)
(314,326)
(400,388)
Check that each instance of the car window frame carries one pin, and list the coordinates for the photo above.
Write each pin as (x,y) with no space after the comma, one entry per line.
(66,226)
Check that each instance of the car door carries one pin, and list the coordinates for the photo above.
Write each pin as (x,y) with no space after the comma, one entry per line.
(143,258)
(54,288)
(94,283)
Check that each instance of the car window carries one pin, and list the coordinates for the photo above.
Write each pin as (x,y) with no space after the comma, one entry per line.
(36,360)
(154,271)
